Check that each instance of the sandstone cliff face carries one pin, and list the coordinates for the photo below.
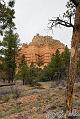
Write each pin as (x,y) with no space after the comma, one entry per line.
(40,50)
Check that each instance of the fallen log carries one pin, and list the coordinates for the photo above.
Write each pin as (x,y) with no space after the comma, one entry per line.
(9,84)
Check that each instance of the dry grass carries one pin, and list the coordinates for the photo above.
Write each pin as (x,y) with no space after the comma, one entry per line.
(34,102)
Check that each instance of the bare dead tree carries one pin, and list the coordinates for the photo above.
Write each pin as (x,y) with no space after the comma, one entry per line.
(60,21)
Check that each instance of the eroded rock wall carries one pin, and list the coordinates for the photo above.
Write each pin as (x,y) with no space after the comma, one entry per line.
(40,50)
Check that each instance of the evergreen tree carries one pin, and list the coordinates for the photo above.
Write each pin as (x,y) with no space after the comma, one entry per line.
(33,74)
(73,11)
(10,42)
(10,45)
(66,57)
(54,68)
(58,67)
(65,61)
(24,70)
(6,14)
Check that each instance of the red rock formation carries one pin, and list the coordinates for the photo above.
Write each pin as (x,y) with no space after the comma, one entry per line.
(40,50)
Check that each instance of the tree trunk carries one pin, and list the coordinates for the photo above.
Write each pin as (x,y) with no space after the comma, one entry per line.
(75,45)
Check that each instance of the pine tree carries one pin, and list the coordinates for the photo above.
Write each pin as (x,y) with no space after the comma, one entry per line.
(55,66)
(10,45)
(10,41)
(65,61)
(6,14)
(73,11)
(24,70)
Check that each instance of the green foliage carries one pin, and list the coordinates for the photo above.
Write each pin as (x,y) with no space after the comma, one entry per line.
(10,41)
(16,109)
(2,114)
(58,67)
(6,15)
(24,70)
(33,75)
(11,3)
(66,57)
(70,9)
(65,62)
(55,66)
(27,73)
(10,44)
(6,98)
(45,74)
(56,61)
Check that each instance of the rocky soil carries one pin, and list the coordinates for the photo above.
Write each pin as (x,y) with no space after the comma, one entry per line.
(45,101)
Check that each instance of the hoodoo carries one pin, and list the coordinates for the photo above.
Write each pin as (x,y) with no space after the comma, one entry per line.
(40,50)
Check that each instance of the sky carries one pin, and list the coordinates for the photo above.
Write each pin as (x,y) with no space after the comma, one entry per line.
(32,17)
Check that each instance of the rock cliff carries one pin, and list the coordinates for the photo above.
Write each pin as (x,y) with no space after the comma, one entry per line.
(40,50)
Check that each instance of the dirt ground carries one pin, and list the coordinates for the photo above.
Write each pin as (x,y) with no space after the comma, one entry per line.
(45,101)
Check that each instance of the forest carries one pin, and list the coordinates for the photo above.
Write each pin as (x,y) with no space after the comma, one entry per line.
(28,90)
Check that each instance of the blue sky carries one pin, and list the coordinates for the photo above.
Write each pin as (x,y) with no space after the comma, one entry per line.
(32,17)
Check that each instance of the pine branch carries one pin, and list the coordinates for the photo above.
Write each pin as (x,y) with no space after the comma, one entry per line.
(76,2)
(58,21)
